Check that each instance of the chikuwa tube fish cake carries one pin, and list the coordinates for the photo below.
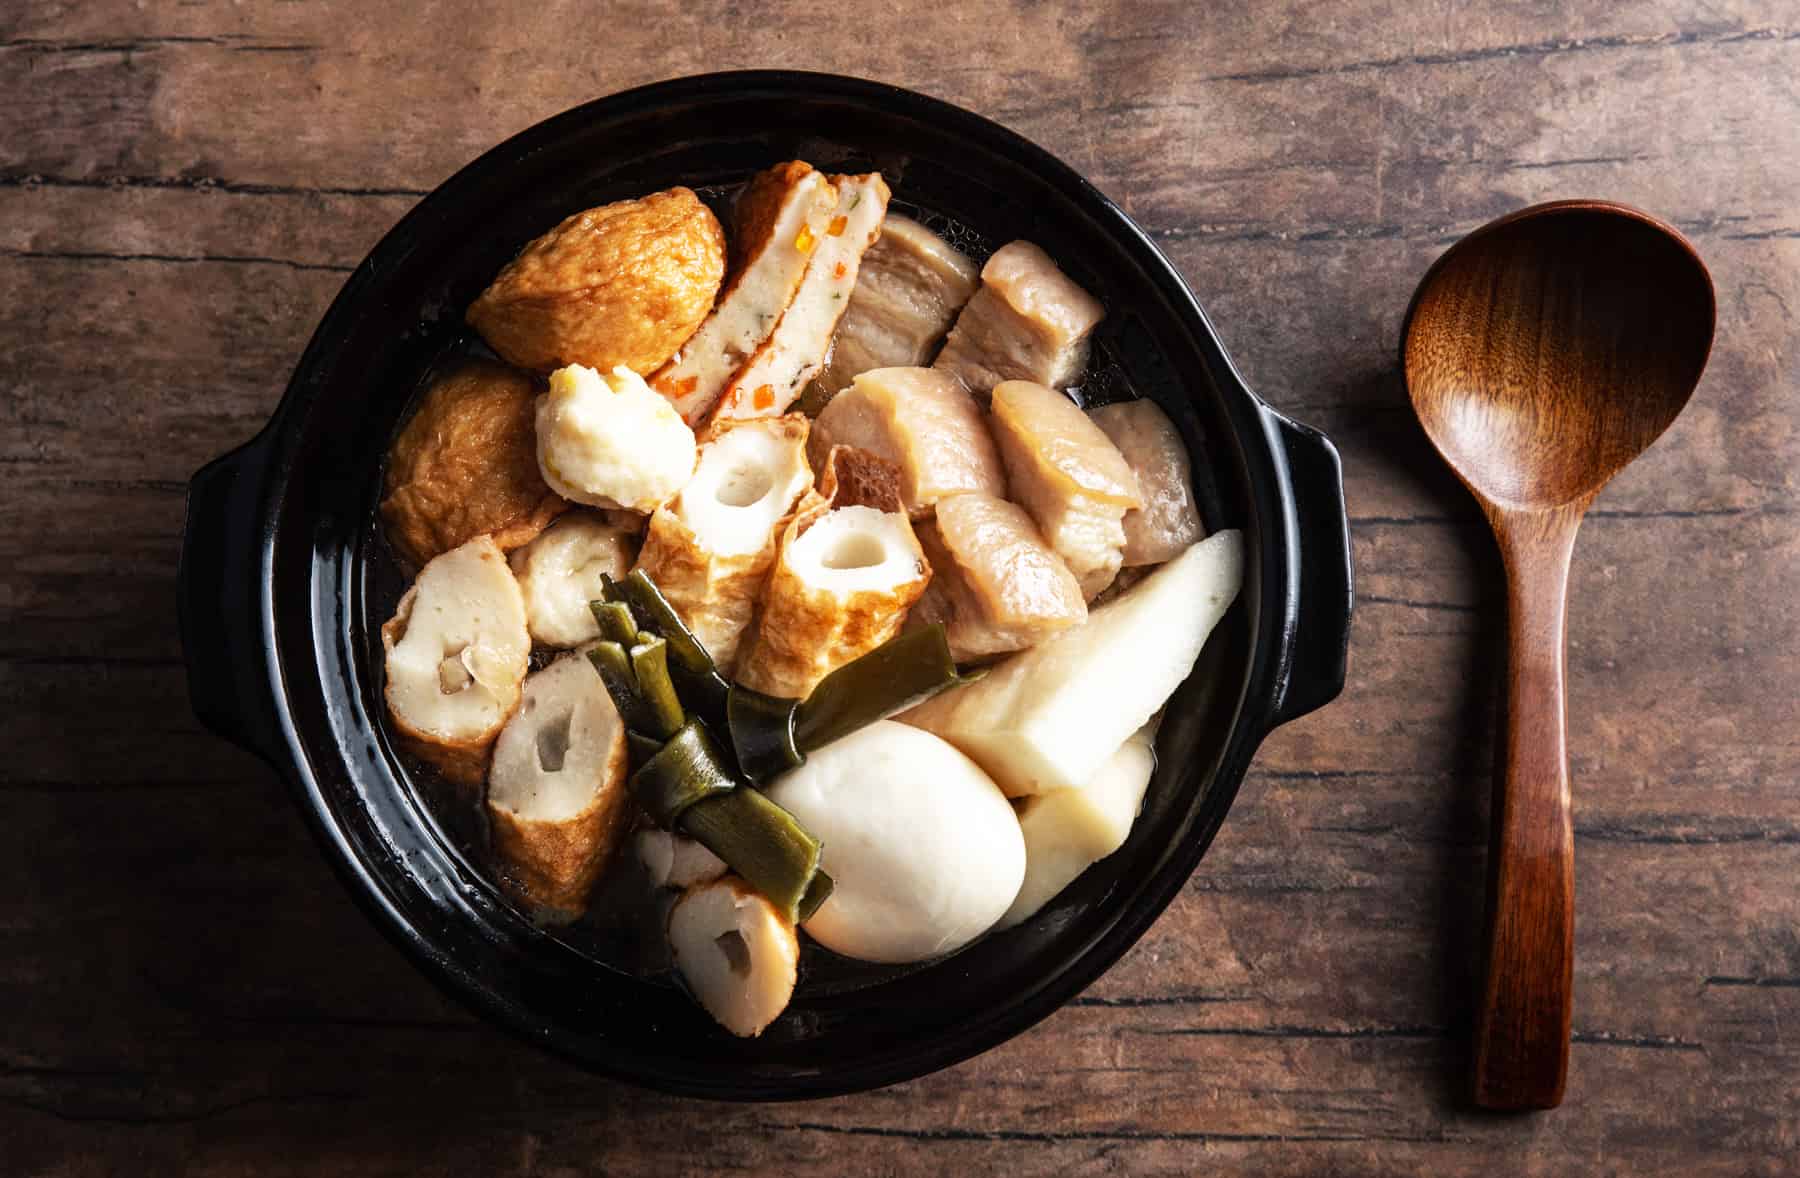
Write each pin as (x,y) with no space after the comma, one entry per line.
(557,801)
(710,550)
(847,570)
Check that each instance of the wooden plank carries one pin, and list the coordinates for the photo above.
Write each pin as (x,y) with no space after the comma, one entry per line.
(1120,39)
(313,230)
(191,993)
(1246,150)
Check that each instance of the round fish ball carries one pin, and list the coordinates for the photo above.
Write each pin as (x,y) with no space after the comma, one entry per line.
(923,847)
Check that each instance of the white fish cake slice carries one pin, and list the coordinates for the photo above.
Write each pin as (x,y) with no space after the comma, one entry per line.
(557,801)
(777,225)
(782,368)
(739,958)
(456,654)
(563,569)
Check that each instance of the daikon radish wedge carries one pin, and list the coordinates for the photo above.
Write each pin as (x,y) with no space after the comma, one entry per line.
(710,550)
(1067,830)
(1049,718)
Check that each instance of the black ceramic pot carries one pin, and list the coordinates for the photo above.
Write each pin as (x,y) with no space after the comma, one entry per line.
(278,624)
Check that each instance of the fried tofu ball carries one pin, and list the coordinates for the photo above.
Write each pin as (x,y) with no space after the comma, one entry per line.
(465,465)
(622,284)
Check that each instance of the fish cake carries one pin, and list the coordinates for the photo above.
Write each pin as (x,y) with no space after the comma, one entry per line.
(623,284)
(465,465)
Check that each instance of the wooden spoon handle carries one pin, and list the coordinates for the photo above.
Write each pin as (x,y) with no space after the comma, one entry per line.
(1522,1027)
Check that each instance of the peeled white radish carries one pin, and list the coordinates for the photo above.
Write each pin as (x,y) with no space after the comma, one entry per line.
(1066,830)
(1048,718)
(924,850)
(736,953)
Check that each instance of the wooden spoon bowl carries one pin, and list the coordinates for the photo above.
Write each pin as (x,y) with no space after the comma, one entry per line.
(1543,353)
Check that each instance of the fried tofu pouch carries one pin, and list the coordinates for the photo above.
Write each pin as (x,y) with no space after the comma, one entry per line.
(847,570)
(622,284)
(465,465)
(710,550)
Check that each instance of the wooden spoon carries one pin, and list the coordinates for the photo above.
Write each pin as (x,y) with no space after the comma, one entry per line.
(1543,353)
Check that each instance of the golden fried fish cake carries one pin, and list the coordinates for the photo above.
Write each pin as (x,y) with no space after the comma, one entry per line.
(624,283)
(465,465)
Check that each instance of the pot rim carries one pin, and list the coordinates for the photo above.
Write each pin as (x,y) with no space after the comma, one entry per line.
(1257,431)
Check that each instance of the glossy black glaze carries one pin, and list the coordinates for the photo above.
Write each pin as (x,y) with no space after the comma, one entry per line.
(278,633)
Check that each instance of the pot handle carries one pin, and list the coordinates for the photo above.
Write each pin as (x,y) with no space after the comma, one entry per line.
(219,589)
(1318,632)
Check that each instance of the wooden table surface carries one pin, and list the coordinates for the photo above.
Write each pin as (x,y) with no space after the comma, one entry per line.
(185,987)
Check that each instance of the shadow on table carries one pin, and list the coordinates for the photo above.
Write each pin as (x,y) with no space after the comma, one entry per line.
(1395,446)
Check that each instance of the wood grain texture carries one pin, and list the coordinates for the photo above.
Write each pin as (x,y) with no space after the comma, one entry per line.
(183,188)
